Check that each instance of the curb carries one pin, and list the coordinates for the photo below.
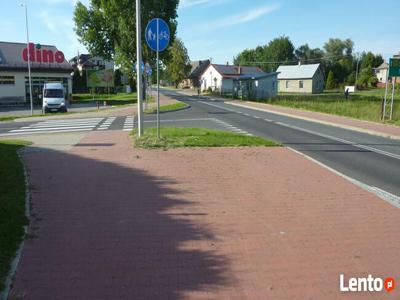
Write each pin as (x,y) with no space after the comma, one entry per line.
(164,112)
(359,129)
(14,264)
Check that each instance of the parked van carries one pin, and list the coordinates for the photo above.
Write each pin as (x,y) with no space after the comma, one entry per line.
(54,97)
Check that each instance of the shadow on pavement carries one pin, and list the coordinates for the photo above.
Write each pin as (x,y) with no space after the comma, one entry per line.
(103,231)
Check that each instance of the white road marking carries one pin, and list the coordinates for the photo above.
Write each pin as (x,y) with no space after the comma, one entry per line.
(372,149)
(390,198)
(53,126)
(107,123)
(364,147)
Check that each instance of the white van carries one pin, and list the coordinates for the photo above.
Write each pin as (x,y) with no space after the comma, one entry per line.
(54,97)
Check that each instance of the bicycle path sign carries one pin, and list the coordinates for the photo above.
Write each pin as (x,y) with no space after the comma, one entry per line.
(162,34)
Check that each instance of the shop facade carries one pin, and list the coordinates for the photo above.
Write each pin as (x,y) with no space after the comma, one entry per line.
(48,64)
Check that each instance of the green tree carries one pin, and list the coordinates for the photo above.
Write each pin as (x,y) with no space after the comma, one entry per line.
(178,66)
(279,51)
(330,81)
(108,28)
(305,53)
(336,48)
(366,78)
(370,60)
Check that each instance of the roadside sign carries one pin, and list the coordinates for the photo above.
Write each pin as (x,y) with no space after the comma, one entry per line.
(141,67)
(157,37)
(162,35)
(394,67)
(148,69)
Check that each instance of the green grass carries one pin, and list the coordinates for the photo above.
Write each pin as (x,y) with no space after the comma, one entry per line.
(12,204)
(364,105)
(166,108)
(172,137)
(112,99)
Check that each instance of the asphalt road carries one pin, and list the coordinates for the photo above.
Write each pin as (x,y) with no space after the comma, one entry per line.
(370,159)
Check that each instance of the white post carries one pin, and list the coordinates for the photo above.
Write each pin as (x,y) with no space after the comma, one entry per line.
(391,103)
(139,68)
(29,56)
(386,91)
(355,84)
(158,80)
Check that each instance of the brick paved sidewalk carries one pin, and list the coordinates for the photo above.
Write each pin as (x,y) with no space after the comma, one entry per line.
(112,222)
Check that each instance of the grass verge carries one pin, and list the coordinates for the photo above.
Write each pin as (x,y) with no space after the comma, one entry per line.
(364,105)
(166,108)
(12,204)
(112,99)
(173,137)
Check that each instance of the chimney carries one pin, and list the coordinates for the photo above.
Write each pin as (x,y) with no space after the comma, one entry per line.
(227,63)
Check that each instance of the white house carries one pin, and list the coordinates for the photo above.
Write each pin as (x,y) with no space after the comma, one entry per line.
(220,77)
(90,62)
(301,78)
(381,72)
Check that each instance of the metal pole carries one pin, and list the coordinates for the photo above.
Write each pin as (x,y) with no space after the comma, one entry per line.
(391,103)
(355,84)
(139,68)
(29,57)
(158,81)
(386,91)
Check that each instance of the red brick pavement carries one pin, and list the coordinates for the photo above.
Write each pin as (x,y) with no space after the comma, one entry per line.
(112,222)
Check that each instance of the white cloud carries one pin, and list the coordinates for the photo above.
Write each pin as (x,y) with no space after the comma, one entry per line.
(191,3)
(245,17)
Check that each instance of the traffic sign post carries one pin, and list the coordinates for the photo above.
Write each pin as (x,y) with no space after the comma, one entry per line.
(157,38)
(393,72)
(139,71)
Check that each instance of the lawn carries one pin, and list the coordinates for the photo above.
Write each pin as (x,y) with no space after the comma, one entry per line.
(173,137)
(364,105)
(112,99)
(12,204)
(166,108)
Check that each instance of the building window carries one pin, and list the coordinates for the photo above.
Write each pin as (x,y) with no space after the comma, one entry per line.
(287,84)
(301,84)
(7,80)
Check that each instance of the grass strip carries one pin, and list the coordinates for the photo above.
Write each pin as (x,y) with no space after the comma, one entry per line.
(12,204)
(173,137)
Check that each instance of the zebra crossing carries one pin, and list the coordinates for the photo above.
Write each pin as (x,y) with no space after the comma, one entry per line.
(128,124)
(107,123)
(75,125)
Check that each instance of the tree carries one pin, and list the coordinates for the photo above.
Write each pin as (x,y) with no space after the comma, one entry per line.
(336,48)
(330,81)
(370,60)
(279,51)
(305,53)
(108,28)
(179,65)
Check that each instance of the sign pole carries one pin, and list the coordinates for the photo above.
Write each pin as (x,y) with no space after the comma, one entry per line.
(391,102)
(158,80)
(386,91)
(139,69)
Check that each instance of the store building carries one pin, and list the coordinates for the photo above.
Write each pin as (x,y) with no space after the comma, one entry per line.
(48,64)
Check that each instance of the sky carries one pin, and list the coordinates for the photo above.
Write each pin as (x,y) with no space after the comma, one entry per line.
(220,29)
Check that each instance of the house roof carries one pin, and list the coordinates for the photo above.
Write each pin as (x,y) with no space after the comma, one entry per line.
(226,70)
(384,65)
(255,76)
(198,67)
(11,59)
(297,71)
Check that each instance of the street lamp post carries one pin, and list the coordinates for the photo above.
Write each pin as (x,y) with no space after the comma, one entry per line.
(358,61)
(139,68)
(29,55)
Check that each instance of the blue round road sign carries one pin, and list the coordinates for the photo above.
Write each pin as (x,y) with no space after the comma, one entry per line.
(162,35)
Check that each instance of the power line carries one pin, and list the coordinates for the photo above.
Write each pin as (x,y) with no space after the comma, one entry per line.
(296,61)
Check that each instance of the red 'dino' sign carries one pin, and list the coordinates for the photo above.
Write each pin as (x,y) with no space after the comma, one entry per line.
(42,55)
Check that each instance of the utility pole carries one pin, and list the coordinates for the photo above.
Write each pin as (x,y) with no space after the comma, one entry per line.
(139,68)
(25,5)
(358,60)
